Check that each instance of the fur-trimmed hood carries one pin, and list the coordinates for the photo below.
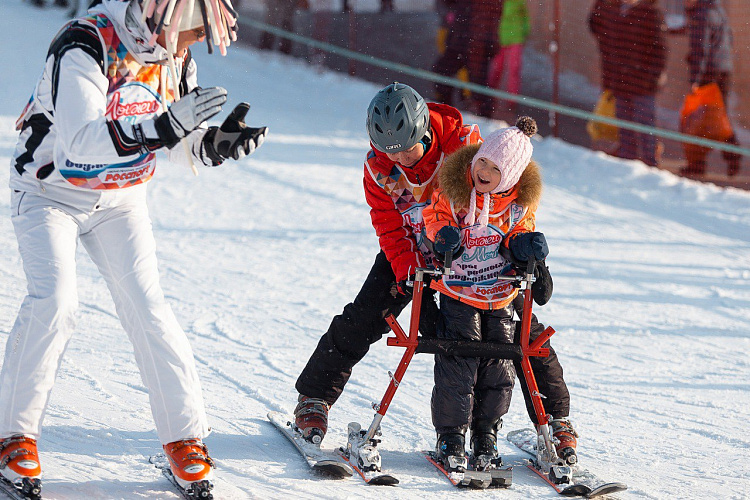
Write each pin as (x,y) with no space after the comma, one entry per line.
(455,180)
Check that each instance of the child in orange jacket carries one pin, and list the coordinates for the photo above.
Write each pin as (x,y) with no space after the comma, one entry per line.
(486,198)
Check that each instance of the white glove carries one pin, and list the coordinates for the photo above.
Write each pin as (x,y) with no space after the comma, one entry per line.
(188,113)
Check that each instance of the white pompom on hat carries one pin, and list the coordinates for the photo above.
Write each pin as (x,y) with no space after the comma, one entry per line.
(510,149)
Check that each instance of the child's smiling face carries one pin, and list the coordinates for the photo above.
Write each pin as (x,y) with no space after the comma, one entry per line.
(486,175)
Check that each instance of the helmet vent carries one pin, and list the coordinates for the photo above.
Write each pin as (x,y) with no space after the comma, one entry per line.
(377,127)
(399,107)
(376,111)
(387,111)
(400,125)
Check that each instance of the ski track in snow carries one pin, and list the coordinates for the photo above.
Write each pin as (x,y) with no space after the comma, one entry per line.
(651,306)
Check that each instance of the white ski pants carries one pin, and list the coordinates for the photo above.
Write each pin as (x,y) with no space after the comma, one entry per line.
(120,242)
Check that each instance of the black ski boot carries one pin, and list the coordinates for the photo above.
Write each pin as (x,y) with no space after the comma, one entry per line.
(450,451)
(484,444)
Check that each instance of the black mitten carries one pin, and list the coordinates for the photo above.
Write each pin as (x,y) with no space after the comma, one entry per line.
(541,289)
(447,241)
(523,246)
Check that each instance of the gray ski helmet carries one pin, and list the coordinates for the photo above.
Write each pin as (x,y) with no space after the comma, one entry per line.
(397,118)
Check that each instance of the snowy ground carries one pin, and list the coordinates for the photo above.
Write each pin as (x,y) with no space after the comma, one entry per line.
(651,305)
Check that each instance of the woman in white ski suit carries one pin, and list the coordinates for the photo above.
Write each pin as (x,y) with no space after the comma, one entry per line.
(85,153)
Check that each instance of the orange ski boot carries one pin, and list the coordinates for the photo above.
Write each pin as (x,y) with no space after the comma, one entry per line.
(565,439)
(191,466)
(19,465)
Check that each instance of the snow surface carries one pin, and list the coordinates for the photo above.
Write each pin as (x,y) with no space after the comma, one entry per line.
(651,305)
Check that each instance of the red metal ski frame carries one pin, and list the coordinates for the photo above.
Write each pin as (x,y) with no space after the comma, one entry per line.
(411,343)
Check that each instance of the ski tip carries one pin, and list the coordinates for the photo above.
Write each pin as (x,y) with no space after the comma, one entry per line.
(606,489)
(158,460)
(334,469)
(576,490)
(383,480)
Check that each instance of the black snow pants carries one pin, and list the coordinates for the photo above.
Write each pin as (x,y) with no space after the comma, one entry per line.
(471,389)
(361,324)
(547,371)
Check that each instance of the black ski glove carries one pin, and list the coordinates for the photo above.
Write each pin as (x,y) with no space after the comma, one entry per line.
(523,246)
(234,139)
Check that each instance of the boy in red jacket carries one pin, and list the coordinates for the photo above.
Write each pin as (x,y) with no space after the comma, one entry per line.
(409,140)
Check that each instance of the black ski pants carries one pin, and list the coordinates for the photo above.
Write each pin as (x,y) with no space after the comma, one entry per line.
(547,371)
(469,390)
(361,324)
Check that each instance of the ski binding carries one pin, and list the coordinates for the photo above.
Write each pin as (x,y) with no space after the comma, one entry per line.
(363,455)
(28,489)
(465,477)
(567,480)
(200,490)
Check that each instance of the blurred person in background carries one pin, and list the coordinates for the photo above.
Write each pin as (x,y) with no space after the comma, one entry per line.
(485,18)
(280,13)
(472,42)
(321,12)
(56,3)
(710,61)
(455,18)
(633,51)
(512,33)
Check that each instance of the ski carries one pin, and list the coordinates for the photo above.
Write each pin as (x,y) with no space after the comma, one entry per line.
(476,479)
(583,482)
(374,478)
(30,490)
(198,491)
(319,460)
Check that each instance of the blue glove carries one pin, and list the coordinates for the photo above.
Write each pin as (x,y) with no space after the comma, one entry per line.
(524,246)
(447,241)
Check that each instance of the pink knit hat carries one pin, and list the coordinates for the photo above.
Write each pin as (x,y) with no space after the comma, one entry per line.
(510,149)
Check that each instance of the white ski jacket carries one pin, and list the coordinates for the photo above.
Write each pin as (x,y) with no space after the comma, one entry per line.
(87,137)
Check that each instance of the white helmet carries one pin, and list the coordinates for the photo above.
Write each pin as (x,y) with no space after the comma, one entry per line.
(217,17)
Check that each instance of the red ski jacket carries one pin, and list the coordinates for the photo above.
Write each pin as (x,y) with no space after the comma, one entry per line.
(397,194)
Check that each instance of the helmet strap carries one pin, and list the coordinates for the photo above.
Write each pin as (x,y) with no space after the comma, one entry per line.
(426,141)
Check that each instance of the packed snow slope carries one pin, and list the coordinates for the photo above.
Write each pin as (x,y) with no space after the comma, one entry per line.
(651,305)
